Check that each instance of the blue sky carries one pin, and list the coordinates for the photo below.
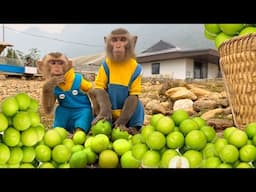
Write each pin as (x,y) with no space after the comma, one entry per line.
(85,39)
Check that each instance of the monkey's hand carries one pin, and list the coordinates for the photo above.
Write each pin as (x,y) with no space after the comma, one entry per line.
(102,117)
(122,127)
(127,111)
(48,93)
(53,82)
(121,123)
(102,102)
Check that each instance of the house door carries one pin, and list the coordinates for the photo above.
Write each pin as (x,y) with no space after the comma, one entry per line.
(200,70)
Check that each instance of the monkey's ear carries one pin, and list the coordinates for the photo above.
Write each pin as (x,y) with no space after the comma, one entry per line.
(105,40)
(135,40)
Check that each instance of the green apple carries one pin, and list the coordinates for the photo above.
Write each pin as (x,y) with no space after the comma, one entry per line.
(231,29)
(212,28)
(220,38)
(127,160)
(208,35)
(247,30)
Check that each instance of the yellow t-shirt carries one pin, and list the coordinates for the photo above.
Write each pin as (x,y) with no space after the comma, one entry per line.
(69,78)
(120,74)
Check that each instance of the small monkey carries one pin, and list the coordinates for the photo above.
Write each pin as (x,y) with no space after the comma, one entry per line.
(70,89)
(118,83)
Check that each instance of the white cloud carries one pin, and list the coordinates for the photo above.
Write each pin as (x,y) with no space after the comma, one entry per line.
(49,28)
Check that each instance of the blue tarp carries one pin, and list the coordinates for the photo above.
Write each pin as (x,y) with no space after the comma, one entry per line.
(11,68)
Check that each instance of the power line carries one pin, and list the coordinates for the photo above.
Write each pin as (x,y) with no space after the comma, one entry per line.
(55,39)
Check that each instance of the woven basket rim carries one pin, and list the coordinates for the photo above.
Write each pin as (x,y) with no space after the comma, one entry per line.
(237,38)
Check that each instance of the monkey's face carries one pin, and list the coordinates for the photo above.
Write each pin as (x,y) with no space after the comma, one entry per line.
(57,66)
(119,44)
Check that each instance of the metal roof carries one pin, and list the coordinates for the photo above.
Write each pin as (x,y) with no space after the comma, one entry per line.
(209,55)
(159,46)
(3,45)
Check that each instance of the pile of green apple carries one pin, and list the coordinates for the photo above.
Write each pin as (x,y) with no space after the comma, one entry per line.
(172,141)
(218,33)
(168,141)
(26,143)
(20,129)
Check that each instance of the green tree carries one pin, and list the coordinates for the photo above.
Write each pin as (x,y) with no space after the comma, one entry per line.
(20,54)
(11,53)
(33,54)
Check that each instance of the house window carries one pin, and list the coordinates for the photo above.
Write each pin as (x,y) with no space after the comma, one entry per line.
(155,68)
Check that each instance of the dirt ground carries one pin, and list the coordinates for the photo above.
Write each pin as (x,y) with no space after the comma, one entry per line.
(13,85)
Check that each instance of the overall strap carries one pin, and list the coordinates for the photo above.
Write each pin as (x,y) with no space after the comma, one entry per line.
(106,69)
(136,73)
(77,81)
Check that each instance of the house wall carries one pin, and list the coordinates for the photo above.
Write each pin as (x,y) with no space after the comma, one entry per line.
(146,69)
(189,69)
(178,69)
(168,68)
(213,71)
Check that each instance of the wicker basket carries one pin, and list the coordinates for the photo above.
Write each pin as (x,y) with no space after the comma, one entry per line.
(238,67)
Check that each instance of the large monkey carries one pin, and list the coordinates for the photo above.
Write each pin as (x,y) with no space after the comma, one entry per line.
(118,83)
(69,89)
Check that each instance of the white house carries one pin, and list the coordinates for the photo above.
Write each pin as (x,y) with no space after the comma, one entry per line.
(164,59)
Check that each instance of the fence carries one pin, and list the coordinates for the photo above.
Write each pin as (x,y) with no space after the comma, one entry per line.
(11,61)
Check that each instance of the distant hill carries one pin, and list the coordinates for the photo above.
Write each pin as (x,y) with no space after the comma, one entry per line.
(89,63)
